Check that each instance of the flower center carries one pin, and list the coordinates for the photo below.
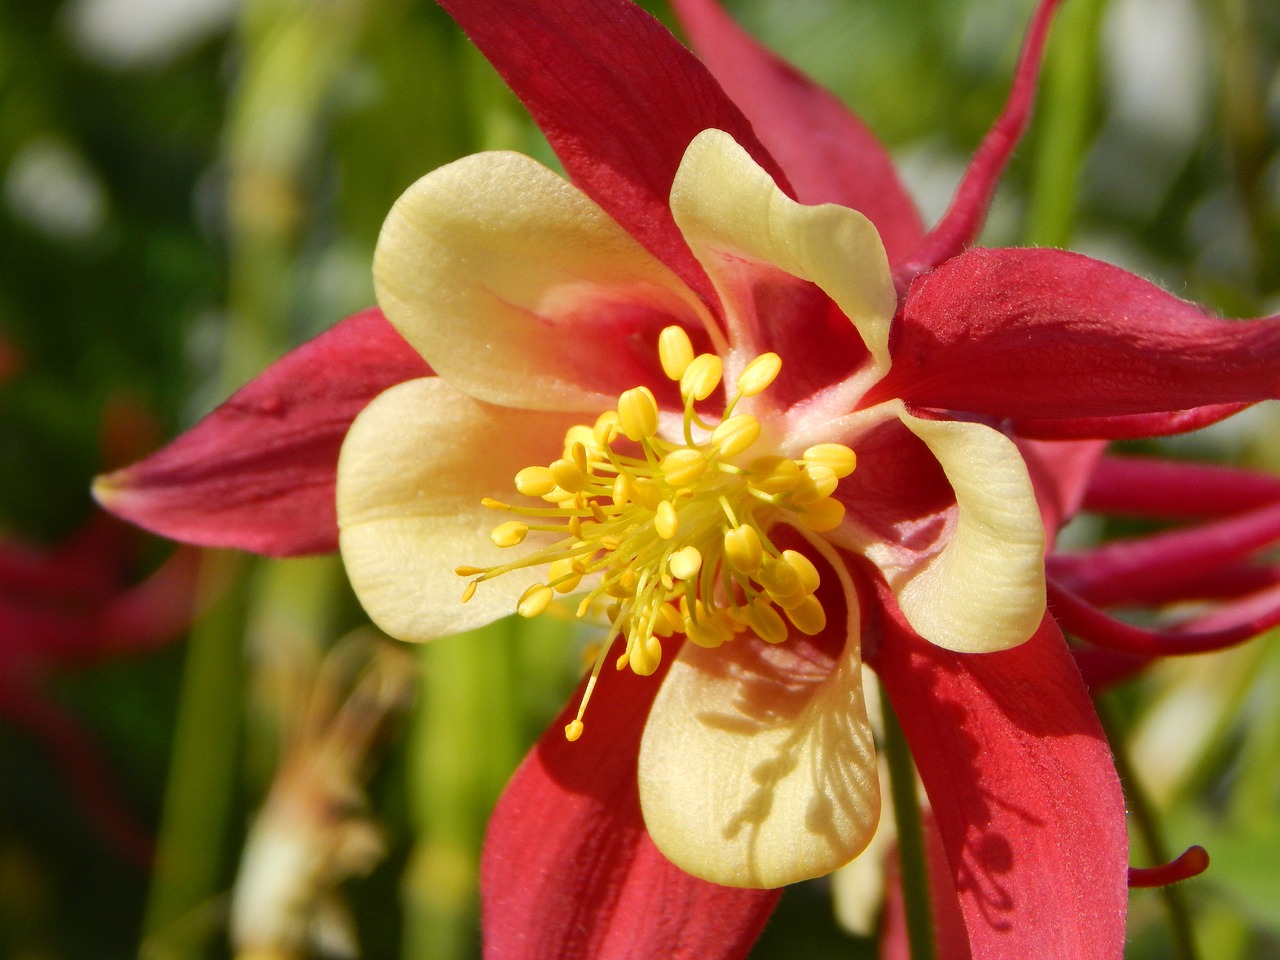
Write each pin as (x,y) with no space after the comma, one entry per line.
(672,535)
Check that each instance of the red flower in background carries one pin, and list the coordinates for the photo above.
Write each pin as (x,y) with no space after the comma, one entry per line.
(1056,351)
(75,605)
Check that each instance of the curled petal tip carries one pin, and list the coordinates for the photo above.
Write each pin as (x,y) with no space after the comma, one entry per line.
(1193,862)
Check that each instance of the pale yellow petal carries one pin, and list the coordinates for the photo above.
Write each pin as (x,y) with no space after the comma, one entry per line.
(519,290)
(413,469)
(985,589)
(757,766)
(730,210)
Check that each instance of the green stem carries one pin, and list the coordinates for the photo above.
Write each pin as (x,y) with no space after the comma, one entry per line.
(190,849)
(1147,825)
(911,850)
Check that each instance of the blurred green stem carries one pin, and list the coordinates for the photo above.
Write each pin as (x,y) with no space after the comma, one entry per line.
(1063,123)
(914,861)
(291,53)
(1145,822)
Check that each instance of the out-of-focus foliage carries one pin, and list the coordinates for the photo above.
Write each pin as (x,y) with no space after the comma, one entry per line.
(187,187)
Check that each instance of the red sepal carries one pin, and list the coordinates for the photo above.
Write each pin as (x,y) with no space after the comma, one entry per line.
(258,473)
(828,153)
(619,99)
(1036,334)
(1021,782)
(960,225)
(568,871)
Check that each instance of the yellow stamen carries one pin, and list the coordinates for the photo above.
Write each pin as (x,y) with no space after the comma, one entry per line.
(759,373)
(671,533)
(674,351)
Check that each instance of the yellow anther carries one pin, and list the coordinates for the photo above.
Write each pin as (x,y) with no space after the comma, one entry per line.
(736,434)
(773,475)
(743,550)
(468,571)
(816,481)
(668,621)
(759,373)
(701,377)
(535,481)
(803,566)
(622,586)
(469,590)
(683,466)
(509,534)
(675,351)
(644,655)
(621,490)
(766,622)
(573,730)
(578,453)
(606,428)
(582,436)
(645,493)
(665,521)
(710,632)
(638,413)
(782,581)
(565,574)
(534,600)
(808,616)
(569,476)
(837,456)
(685,563)
(821,516)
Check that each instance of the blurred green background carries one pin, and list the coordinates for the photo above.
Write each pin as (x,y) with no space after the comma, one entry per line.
(192,186)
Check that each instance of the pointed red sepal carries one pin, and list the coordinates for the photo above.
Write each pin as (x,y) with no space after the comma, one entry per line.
(619,99)
(1161,564)
(568,871)
(1193,862)
(1021,782)
(960,225)
(1150,487)
(1032,334)
(1099,628)
(258,473)
(1139,426)
(828,154)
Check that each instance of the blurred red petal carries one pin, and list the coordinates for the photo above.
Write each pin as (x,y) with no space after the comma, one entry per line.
(1150,487)
(1123,571)
(1022,333)
(619,99)
(568,871)
(258,473)
(825,150)
(1021,782)
(81,763)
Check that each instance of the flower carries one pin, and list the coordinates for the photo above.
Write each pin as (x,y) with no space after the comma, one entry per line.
(74,605)
(975,388)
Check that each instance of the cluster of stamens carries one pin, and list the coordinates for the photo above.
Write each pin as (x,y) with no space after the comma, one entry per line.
(672,535)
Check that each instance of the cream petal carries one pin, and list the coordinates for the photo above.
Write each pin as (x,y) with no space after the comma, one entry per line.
(757,765)
(730,210)
(413,469)
(985,590)
(519,290)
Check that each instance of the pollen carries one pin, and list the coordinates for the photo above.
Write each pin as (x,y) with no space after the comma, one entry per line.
(663,526)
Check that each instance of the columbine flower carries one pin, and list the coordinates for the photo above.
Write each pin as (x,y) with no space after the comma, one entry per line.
(670,361)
